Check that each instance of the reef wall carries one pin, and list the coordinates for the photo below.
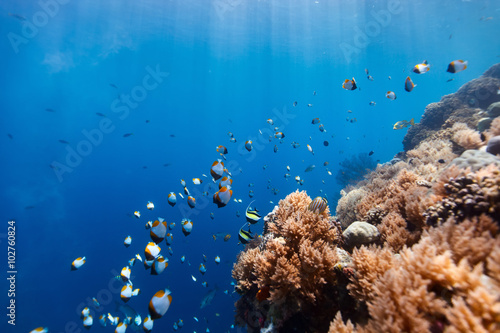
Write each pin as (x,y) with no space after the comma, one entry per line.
(415,247)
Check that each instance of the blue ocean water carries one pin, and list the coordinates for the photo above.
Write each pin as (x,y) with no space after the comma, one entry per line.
(180,75)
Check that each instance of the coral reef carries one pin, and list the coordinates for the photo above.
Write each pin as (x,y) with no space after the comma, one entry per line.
(433,262)
(464,106)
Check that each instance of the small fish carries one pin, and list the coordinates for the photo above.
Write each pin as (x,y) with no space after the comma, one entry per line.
(372,103)
(77,263)
(310,149)
(17,16)
(318,205)
(310,168)
(315,121)
(421,68)
(244,236)
(349,84)
(449,80)
(187,226)
(100,114)
(279,135)
(10,136)
(270,121)
(29,207)
(457,66)
(309,105)
(390,95)
(150,205)
(202,268)
(127,134)
(403,123)
(409,85)
(295,103)
(367,71)
(172,135)
(64,142)
(127,241)
(113,85)
(371,153)
(441,161)
(160,303)
(197,181)
(369,77)
(275,148)
(137,214)
(248,145)
(325,143)
(221,150)
(252,215)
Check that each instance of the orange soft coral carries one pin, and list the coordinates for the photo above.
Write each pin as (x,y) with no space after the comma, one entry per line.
(294,263)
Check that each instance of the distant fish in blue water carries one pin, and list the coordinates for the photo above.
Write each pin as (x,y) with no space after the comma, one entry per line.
(248,145)
(310,168)
(390,95)
(217,260)
(127,135)
(150,205)
(88,321)
(127,241)
(372,103)
(113,85)
(40,330)
(64,142)
(187,226)
(125,274)
(217,169)
(369,77)
(252,215)
(17,16)
(202,269)
(77,263)
(100,114)
(191,201)
(270,121)
(151,251)
(207,299)
(310,149)
(403,123)
(457,66)
(221,149)
(409,85)
(315,121)
(10,136)
(158,230)
(197,181)
(244,236)
(371,153)
(159,265)
(349,84)
(422,68)
(449,80)
(295,103)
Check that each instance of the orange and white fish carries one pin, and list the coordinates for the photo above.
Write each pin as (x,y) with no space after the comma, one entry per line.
(127,241)
(183,183)
(125,274)
(225,181)
(159,265)
(152,251)
(77,263)
(421,68)
(127,292)
(88,321)
(279,135)
(457,66)
(169,238)
(217,260)
(197,181)
(159,304)
(221,150)
(121,328)
(113,320)
(85,312)
(191,201)
(248,145)
(148,225)
(202,269)
(187,226)
(103,320)
(137,214)
(150,205)
(223,196)
(217,169)
(270,121)
(310,149)
(172,199)
(390,95)
(315,121)
(147,325)
(40,330)
(409,85)
(349,84)
(158,230)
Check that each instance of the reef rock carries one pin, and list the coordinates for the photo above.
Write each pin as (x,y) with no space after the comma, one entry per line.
(493,146)
(475,159)
(494,110)
(461,106)
(359,233)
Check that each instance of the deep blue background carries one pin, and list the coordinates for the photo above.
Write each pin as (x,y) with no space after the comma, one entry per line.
(231,65)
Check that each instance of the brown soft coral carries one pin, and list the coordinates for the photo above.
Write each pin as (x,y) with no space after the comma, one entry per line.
(295,260)
(466,137)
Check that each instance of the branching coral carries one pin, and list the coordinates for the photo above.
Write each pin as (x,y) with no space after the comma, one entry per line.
(295,262)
